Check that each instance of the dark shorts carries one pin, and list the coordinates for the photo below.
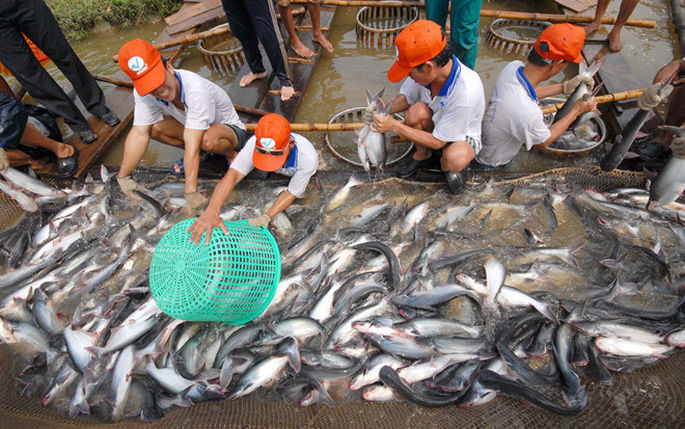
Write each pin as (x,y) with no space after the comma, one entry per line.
(242,136)
(477,166)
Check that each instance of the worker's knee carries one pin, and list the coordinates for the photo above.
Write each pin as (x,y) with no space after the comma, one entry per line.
(419,116)
(456,157)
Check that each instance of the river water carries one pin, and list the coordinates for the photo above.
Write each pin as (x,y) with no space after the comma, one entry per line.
(340,79)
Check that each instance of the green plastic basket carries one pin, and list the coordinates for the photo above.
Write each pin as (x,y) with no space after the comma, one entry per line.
(230,280)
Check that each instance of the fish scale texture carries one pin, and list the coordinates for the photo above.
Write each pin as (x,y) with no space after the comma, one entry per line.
(650,397)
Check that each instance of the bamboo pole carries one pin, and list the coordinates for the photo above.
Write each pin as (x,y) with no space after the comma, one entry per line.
(491,13)
(606,98)
(187,39)
(317,126)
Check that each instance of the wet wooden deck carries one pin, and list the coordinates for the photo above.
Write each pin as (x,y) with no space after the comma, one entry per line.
(194,16)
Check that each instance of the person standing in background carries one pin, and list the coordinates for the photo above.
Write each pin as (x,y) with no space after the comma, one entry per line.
(253,21)
(35,19)
(614,37)
(314,7)
(464,21)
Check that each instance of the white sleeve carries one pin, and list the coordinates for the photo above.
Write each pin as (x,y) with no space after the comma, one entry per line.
(243,161)
(410,89)
(146,111)
(298,183)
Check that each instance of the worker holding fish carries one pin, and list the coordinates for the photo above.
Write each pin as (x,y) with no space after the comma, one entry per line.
(273,148)
(444,101)
(179,108)
(658,147)
(514,118)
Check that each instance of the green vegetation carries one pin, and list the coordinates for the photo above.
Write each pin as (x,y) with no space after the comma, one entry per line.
(77,17)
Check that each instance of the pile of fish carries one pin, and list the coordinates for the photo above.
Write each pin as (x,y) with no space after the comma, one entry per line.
(389,290)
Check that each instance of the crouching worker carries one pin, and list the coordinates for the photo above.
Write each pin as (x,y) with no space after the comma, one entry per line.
(25,130)
(179,108)
(444,101)
(514,117)
(272,148)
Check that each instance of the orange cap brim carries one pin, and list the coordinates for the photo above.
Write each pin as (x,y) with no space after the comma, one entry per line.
(151,80)
(266,162)
(579,58)
(397,72)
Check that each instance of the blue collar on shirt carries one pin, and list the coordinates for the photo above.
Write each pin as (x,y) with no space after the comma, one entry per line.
(453,77)
(526,84)
(292,158)
(180,88)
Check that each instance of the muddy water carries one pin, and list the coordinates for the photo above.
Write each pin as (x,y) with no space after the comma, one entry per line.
(340,80)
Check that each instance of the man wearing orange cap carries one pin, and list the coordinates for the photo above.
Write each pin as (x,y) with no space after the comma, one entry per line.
(179,108)
(272,148)
(514,117)
(444,101)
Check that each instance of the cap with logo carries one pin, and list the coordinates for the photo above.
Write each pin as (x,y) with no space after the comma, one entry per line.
(273,135)
(143,64)
(563,42)
(419,42)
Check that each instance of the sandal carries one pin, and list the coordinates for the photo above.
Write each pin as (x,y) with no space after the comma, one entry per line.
(204,157)
(67,166)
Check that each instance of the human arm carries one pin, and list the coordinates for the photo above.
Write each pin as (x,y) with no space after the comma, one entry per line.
(135,146)
(383,124)
(558,128)
(400,105)
(566,87)
(191,157)
(675,66)
(210,218)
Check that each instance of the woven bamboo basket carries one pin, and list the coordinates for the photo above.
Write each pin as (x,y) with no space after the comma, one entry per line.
(378,25)
(515,36)
(222,52)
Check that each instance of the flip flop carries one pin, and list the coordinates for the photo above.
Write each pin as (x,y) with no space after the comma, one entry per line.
(204,157)
(67,166)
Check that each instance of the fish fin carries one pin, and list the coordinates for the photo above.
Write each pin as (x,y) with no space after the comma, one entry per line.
(369,99)
(387,107)
(594,67)
(380,93)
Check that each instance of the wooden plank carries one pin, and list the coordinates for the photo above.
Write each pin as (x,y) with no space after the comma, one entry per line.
(300,72)
(189,11)
(120,101)
(216,14)
(577,6)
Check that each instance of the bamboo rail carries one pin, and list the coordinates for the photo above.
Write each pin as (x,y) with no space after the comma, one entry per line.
(491,13)
(606,98)
(187,39)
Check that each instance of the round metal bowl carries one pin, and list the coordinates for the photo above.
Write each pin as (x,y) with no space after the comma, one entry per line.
(343,144)
(598,123)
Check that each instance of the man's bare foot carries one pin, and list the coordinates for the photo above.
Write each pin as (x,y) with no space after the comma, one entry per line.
(287,92)
(251,77)
(614,38)
(594,26)
(321,40)
(301,49)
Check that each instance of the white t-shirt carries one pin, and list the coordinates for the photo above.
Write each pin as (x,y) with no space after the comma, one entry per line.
(206,103)
(457,109)
(300,166)
(513,118)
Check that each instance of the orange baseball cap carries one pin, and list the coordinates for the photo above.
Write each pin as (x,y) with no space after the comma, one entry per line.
(271,148)
(565,42)
(143,64)
(421,41)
